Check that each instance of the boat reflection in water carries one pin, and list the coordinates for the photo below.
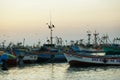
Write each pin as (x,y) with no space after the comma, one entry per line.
(60,71)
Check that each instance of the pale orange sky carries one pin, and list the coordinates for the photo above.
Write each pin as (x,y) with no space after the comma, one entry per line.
(27,19)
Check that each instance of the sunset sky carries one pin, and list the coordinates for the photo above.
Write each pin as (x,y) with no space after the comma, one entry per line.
(27,19)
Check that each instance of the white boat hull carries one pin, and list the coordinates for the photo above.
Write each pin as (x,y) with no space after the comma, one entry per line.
(30,58)
(75,59)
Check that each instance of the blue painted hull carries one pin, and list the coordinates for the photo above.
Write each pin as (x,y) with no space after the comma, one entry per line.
(46,55)
(48,58)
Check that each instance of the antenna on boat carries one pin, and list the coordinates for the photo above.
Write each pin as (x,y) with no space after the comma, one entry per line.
(105,38)
(23,41)
(89,35)
(51,26)
(95,37)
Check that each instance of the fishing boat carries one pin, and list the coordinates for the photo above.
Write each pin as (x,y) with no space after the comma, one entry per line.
(27,56)
(91,58)
(50,53)
(93,55)
(9,57)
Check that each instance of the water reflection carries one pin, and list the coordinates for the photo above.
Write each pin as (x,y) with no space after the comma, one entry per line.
(94,73)
(60,71)
(93,68)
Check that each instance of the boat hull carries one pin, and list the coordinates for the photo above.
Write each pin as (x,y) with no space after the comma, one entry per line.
(31,58)
(88,64)
(83,60)
(51,57)
(12,62)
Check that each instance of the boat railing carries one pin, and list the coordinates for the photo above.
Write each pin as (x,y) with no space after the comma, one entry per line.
(97,55)
(111,56)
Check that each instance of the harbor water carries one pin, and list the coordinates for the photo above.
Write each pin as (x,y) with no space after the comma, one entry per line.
(60,71)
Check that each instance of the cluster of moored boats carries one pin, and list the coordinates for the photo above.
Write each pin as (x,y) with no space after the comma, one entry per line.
(44,54)
(75,54)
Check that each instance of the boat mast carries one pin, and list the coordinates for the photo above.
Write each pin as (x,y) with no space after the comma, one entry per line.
(89,37)
(95,38)
(51,26)
(105,38)
(23,42)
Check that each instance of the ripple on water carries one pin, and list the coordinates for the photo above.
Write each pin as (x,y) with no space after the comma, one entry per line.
(60,71)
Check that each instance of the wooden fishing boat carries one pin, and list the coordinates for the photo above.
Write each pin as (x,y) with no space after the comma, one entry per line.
(9,57)
(50,53)
(27,57)
(83,58)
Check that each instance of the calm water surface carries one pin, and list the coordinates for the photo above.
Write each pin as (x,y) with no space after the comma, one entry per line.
(60,71)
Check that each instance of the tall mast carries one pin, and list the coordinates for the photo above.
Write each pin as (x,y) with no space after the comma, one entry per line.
(89,37)
(95,38)
(51,26)
(105,38)
(23,41)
